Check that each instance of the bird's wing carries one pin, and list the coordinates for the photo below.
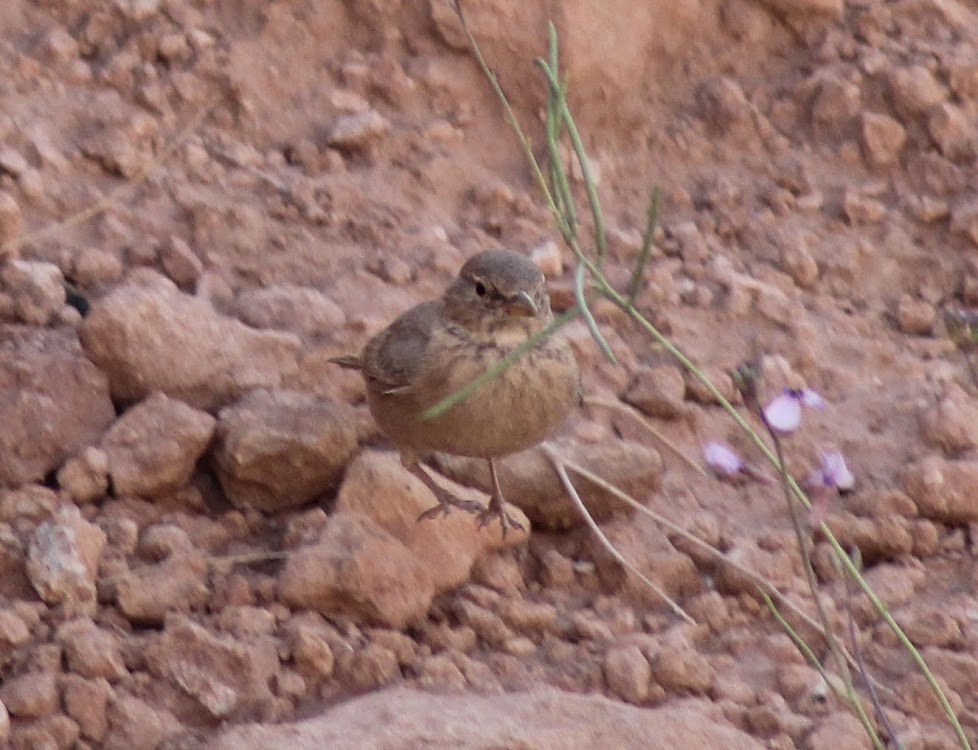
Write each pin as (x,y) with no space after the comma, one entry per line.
(393,357)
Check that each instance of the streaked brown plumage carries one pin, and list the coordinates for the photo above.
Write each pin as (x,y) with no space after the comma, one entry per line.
(497,301)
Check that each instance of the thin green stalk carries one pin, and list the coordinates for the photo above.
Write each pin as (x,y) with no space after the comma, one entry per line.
(802,538)
(602,285)
(554,127)
(800,643)
(880,607)
(585,311)
(590,186)
(513,122)
(857,651)
(651,221)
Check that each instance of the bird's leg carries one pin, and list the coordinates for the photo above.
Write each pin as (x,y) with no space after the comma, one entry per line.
(446,500)
(496,509)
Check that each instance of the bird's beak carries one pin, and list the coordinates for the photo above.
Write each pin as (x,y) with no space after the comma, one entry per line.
(522,305)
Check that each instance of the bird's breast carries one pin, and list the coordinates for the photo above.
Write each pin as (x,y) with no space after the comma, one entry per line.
(516,410)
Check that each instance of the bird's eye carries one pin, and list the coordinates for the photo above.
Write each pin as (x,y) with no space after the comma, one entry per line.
(480,289)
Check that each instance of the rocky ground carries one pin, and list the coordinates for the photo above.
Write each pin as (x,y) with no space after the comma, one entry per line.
(204,542)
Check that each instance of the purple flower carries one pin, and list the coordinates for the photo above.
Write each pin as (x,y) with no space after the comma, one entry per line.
(722,459)
(833,472)
(784,412)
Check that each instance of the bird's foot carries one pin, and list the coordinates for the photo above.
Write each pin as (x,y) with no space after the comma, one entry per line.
(496,510)
(445,504)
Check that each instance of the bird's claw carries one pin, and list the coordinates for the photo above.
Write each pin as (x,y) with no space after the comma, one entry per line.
(506,521)
(445,505)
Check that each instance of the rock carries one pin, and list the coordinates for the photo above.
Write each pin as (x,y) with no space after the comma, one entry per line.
(529,481)
(915,316)
(627,673)
(377,486)
(358,131)
(59,46)
(682,669)
(11,223)
(177,584)
(37,288)
(370,668)
(134,723)
(86,702)
(95,267)
(796,258)
(228,678)
(882,538)
(30,695)
(13,633)
(964,220)
(63,559)
(13,163)
(31,502)
(952,423)
(547,257)
(693,246)
(91,651)
(180,263)
(657,391)
(53,401)
(85,477)
(943,490)
(725,107)
(359,570)
(836,102)
(952,131)
(721,380)
(914,90)
(839,729)
(281,449)
(861,209)
(210,359)
(394,270)
(882,138)
(778,307)
(286,307)
(54,732)
(776,566)
(153,448)
(485,623)
(803,8)
(402,717)
(645,545)
(930,626)
(309,643)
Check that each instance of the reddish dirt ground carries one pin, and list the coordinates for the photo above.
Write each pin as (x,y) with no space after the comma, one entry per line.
(817,166)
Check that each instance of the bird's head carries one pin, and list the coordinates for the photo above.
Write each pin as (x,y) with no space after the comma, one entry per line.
(498,291)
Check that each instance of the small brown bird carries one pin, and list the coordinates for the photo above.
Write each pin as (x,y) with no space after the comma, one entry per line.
(497,301)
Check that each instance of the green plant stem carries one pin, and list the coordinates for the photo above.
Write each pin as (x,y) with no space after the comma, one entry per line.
(590,186)
(877,603)
(604,287)
(806,560)
(857,651)
(651,222)
(585,311)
